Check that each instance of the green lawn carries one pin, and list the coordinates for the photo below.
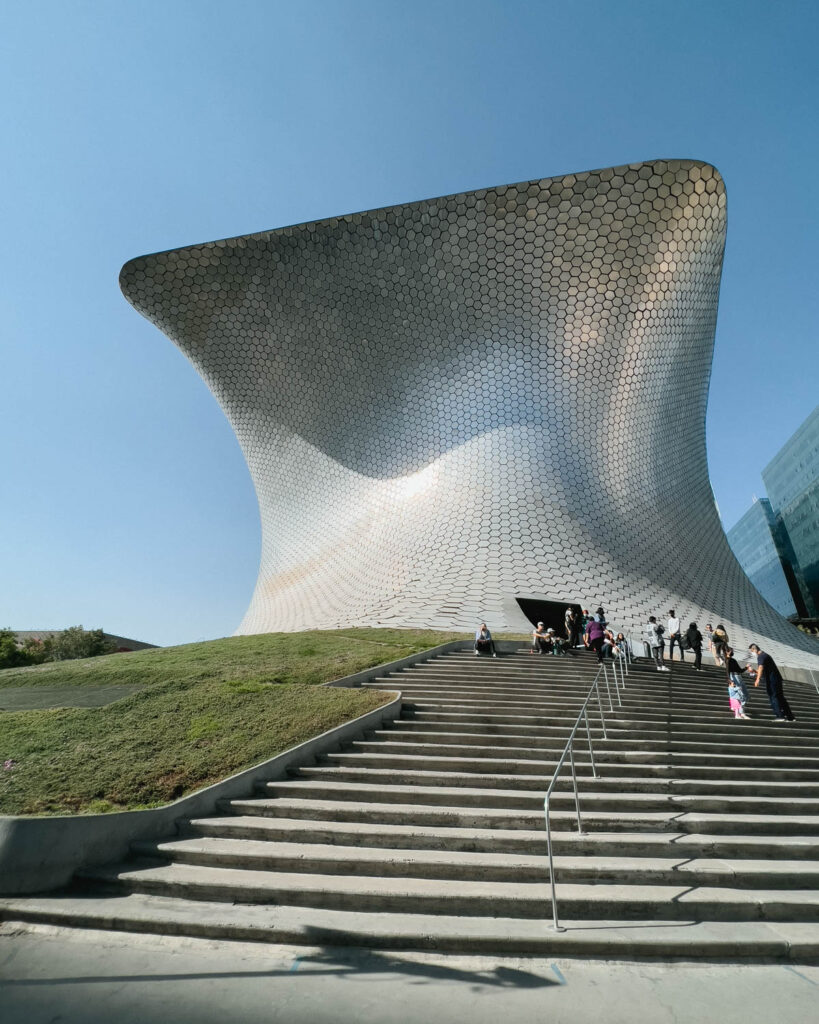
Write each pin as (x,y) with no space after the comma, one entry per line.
(207,710)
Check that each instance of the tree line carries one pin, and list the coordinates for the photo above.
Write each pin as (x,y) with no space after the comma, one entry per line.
(74,642)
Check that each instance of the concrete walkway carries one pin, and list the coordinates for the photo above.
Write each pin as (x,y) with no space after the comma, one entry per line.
(41,698)
(54,976)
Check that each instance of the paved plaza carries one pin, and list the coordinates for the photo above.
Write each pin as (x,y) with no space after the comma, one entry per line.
(72,977)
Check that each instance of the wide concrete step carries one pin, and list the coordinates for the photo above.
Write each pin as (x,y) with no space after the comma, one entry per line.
(461,897)
(494,817)
(623,703)
(411,726)
(615,739)
(498,688)
(538,666)
(555,741)
(608,751)
(511,799)
(724,725)
(788,942)
(511,765)
(625,707)
(654,686)
(446,795)
(729,728)
(618,783)
(502,685)
(494,704)
(429,700)
(318,858)
(546,766)
(517,752)
(518,841)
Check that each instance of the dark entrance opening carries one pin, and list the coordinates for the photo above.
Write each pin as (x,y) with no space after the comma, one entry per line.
(551,613)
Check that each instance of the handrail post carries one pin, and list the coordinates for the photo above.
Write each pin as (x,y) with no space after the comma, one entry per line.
(616,682)
(608,688)
(551,865)
(620,661)
(574,783)
(600,705)
(588,736)
(623,666)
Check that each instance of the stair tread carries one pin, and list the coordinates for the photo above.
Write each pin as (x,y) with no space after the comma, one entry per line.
(787,754)
(794,941)
(443,889)
(514,754)
(490,812)
(267,850)
(535,837)
(386,774)
(377,789)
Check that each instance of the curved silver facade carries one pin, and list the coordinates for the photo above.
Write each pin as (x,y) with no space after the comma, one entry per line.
(449,404)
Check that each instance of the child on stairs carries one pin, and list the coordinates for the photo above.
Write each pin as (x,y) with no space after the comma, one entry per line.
(737,694)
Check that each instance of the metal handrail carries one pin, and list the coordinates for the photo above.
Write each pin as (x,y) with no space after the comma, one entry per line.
(568,750)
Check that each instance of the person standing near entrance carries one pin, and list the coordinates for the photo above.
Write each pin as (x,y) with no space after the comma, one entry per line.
(694,640)
(720,641)
(572,628)
(766,669)
(654,638)
(674,635)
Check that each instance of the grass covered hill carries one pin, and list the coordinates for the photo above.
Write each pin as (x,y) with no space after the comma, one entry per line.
(205,711)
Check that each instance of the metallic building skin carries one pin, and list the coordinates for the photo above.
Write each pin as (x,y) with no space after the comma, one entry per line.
(452,403)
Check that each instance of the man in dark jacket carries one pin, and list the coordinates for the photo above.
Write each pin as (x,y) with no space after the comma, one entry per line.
(694,640)
(766,669)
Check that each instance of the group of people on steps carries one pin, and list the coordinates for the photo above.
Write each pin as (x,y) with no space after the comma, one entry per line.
(765,670)
(600,639)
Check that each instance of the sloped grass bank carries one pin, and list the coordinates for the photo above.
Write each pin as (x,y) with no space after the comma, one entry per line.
(207,710)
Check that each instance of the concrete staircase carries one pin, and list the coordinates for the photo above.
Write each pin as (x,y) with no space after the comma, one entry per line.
(701,841)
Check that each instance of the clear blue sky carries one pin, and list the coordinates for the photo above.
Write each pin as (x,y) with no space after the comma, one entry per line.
(134,126)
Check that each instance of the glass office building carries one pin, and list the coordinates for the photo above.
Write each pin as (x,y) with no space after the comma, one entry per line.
(792,482)
(757,542)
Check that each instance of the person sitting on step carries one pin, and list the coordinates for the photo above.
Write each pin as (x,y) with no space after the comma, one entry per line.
(609,645)
(484,641)
(559,645)
(541,640)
